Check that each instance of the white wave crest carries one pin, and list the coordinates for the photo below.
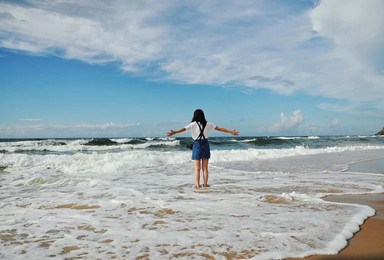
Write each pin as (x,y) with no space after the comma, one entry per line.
(141,158)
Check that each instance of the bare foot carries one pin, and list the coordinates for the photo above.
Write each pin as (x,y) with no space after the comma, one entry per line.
(197,186)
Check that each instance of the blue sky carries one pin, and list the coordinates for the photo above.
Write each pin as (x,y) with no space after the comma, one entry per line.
(140,68)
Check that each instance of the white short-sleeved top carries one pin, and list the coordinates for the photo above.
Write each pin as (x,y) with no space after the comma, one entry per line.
(195,130)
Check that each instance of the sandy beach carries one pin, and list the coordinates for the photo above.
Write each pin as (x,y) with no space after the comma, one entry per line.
(368,243)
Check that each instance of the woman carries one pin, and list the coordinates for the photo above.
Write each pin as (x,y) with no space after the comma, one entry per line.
(200,128)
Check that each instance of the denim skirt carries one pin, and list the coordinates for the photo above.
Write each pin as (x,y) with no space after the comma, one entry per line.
(201,150)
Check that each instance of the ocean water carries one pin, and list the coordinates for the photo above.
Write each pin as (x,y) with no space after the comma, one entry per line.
(134,198)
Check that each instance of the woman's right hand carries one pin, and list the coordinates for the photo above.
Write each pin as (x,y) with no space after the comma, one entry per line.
(170,133)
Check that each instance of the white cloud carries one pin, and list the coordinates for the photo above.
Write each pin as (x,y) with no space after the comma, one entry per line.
(92,31)
(287,123)
(354,67)
(229,47)
(335,49)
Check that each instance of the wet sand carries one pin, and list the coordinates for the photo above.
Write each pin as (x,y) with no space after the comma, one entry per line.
(368,243)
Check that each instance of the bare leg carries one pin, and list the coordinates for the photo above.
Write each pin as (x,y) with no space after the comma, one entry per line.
(205,171)
(197,173)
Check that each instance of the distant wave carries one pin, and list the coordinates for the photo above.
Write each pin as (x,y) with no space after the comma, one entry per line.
(287,138)
(101,142)
(87,145)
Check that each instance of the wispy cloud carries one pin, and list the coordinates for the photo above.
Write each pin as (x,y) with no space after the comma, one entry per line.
(30,119)
(361,110)
(103,126)
(336,107)
(92,31)
(334,49)
(335,122)
(78,130)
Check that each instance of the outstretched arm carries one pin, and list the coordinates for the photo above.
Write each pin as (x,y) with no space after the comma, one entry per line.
(222,129)
(171,132)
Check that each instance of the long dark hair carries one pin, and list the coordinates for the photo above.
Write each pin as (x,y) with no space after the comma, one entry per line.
(198,116)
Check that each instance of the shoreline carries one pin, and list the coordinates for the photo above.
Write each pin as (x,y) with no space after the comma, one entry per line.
(367,243)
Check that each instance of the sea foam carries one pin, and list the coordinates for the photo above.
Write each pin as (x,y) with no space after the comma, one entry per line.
(124,203)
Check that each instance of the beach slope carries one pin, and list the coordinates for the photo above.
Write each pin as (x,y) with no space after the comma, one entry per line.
(368,243)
